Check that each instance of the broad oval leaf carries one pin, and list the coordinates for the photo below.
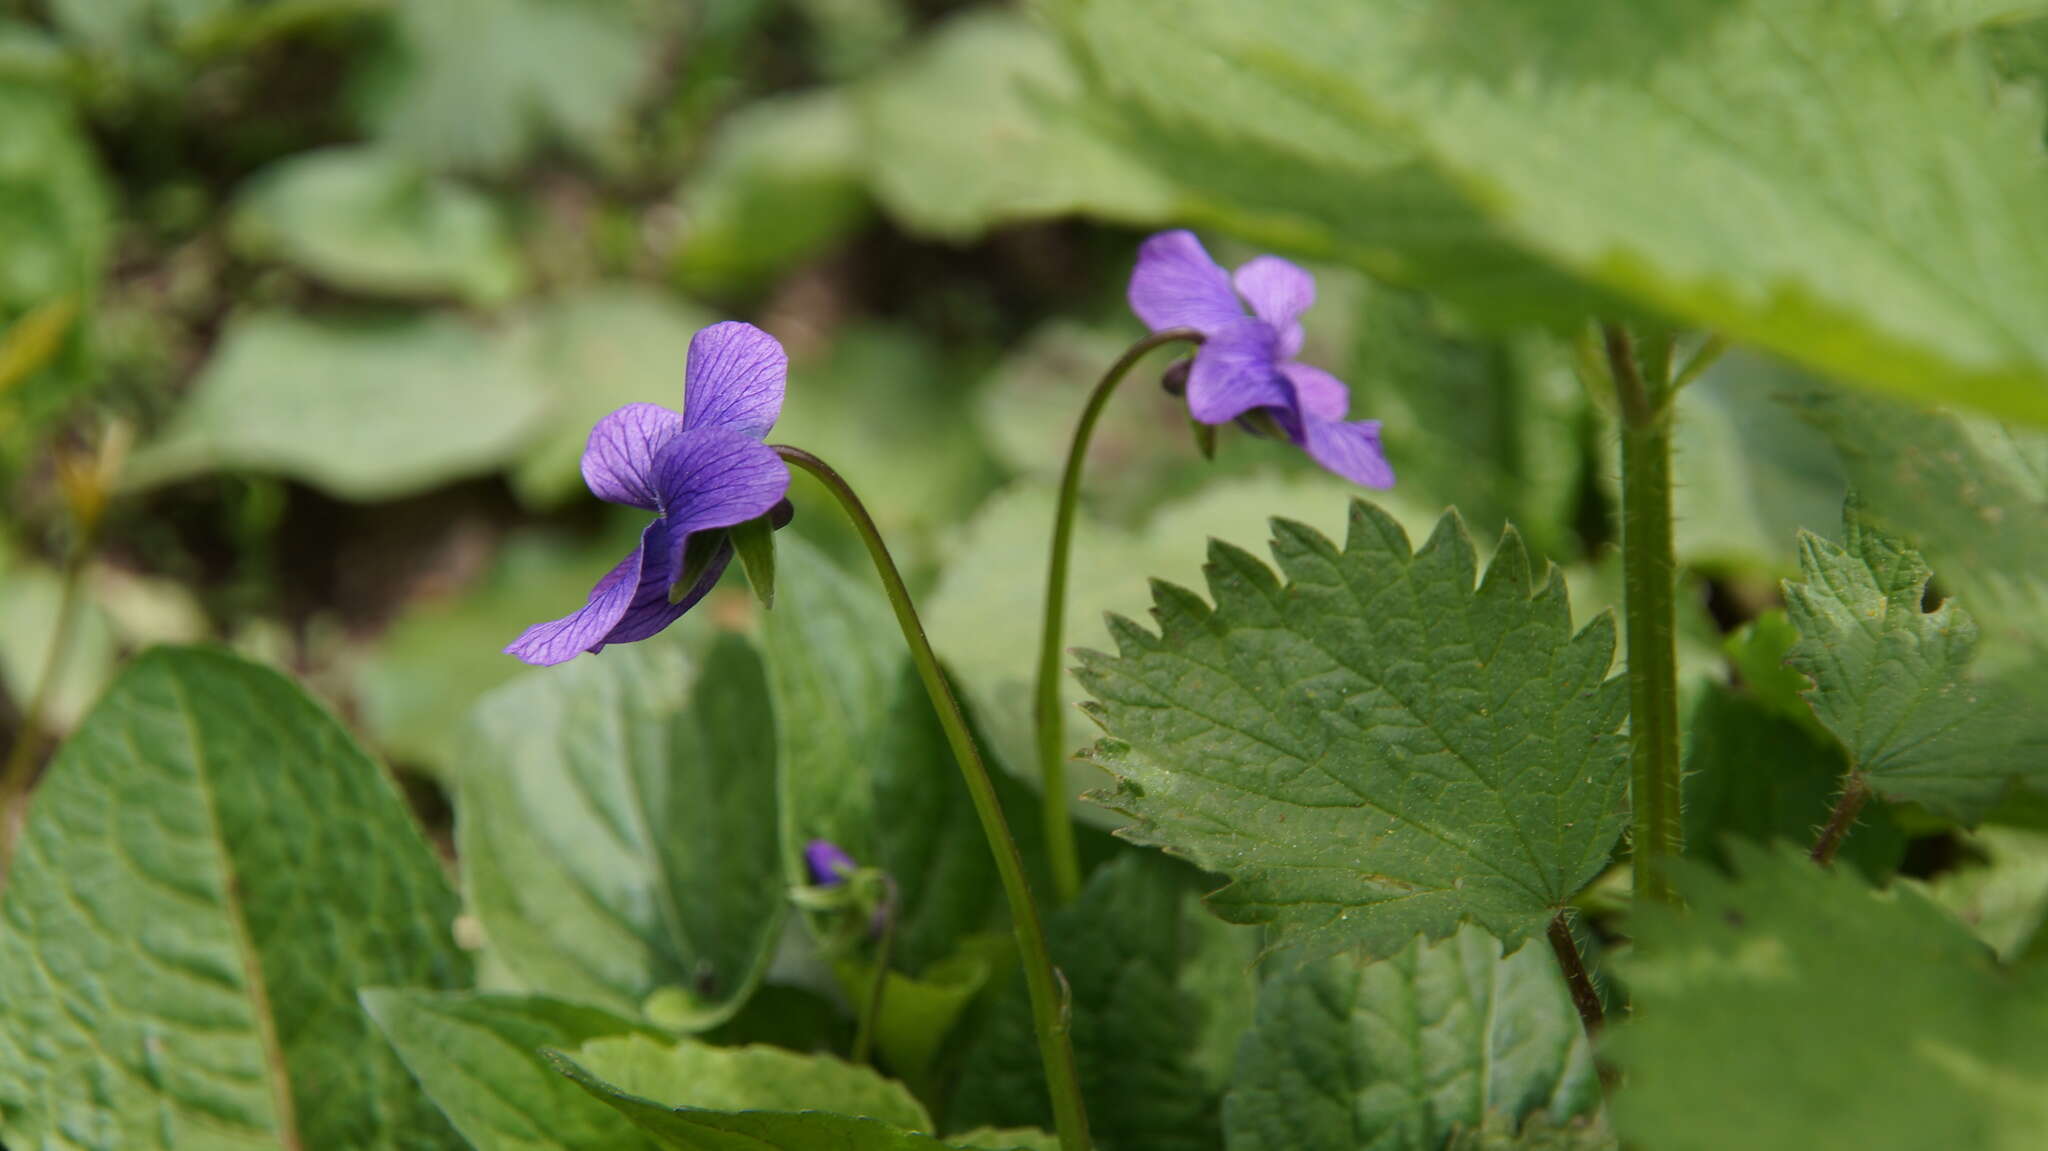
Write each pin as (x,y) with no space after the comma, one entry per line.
(1374,749)
(617,828)
(211,869)
(1399,1054)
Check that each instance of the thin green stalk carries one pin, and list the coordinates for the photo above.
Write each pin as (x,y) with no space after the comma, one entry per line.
(1048,1007)
(871,1011)
(1060,849)
(1650,603)
(28,741)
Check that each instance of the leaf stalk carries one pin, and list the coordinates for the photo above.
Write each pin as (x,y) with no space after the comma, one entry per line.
(1055,1046)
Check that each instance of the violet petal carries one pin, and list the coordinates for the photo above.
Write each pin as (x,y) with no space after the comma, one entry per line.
(828,863)
(714,478)
(1236,371)
(590,626)
(1279,293)
(618,462)
(1351,450)
(1177,285)
(1319,395)
(735,379)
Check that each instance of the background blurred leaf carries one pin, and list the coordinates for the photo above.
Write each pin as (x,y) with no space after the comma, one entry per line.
(276,870)
(981,125)
(781,181)
(1784,964)
(361,410)
(1398,1054)
(2001,891)
(1362,776)
(479,1058)
(1725,194)
(369,221)
(747,1079)
(598,349)
(616,823)
(480,84)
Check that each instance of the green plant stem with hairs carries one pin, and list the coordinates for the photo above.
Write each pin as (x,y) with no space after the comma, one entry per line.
(1060,847)
(1642,382)
(1049,1013)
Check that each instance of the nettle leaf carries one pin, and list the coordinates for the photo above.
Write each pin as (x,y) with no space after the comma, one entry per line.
(1862,1019)
(1120,945)
(617,829)
(1399,1054)
(363,411)
(210,870)
(1373,749)
(1752,773)
(368,221)
(1832,180)
(982,125)
(1893,680)
(480,1058)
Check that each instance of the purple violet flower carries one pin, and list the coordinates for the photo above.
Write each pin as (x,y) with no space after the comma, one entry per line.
(828,863)
(1246,362)
(698,471)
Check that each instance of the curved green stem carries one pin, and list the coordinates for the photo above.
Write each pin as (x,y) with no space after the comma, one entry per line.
(1650,603)
(1048,1008)
(1060,849)
(871,1010)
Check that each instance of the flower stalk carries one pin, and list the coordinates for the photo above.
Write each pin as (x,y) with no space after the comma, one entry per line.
(1060,848)
(1650,605)
(1048,1012)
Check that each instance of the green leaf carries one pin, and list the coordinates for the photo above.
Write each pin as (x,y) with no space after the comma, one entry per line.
(480,84)
(755,543)
(1400,1053)
(1119,946)
(55,233)
(616,823)
(692,1129)
(1861,1020)
(368,221)
(982,125)
(697,1075)
(2001,892)
(1969,493)
(1538,1133)
(1894,681)
(779,183)
(598,349)
(1373,749)
(210,869)
(1751,773)
(1830,180)
(363,411)
(480,1059)
(1757,651)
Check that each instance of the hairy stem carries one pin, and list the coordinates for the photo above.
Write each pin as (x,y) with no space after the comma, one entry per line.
(1065,858)
(1650,605)
(1585,997)
(1048,1010)
(1855,793)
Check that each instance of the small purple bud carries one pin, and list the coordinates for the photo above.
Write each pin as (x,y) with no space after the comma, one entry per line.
(828,863)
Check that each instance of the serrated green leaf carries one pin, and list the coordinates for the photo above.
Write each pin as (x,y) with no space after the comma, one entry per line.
(1862,1019)
(1119,946)
(479,1057)
(368,221)
(697,1075)
(780,182)
(1399,1054)
(361,410)
(1753,774)
(479,84)
(981,125)
(1828,179)
(211,868)
(1894,682)
(1373,749)
(617,828)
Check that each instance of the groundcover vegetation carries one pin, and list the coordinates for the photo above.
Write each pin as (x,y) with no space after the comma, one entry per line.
(892,574)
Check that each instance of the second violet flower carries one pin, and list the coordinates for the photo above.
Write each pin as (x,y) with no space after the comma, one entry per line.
(1250,323)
